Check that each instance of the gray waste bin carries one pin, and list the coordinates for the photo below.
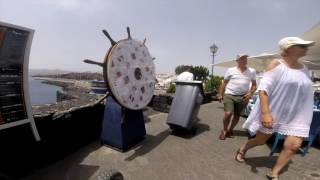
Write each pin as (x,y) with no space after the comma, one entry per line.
(185,105)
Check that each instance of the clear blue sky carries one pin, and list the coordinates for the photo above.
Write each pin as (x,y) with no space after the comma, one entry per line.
(177,31)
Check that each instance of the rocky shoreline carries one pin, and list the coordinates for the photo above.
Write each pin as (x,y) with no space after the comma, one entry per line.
(72,97)
(75,95)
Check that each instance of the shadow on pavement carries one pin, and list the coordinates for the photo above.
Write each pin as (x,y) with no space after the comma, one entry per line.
(148,144)
(147,119)
(241,133)
(264,161)
(220,107)
(198,129)
(78,170)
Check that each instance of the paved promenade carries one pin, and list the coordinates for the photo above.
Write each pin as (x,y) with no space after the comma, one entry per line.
(166,156)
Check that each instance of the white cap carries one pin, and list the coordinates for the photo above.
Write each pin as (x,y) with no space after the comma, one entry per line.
(288,42)
(242,55)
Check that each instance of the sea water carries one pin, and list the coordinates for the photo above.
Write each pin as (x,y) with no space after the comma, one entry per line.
(41,93)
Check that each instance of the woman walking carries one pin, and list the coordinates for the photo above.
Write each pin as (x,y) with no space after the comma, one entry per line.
(285,104)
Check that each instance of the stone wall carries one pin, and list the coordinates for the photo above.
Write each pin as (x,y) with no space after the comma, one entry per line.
(163,102)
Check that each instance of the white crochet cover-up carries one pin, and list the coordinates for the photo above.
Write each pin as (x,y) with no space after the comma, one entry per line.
(290,102)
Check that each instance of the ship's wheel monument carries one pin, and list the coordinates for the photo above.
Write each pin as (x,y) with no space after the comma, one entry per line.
(129,74)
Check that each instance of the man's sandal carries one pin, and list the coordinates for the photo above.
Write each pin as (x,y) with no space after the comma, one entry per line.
(239,157)
(272,177)
(222,135)
(229,134)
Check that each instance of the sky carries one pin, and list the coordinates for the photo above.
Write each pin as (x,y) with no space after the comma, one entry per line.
(178,32)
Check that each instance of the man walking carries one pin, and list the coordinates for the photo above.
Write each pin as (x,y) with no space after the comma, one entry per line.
(235,93)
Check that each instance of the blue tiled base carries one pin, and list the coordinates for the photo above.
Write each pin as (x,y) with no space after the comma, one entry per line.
(121,128)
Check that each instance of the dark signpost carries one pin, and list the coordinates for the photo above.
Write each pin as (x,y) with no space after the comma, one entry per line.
(15,107)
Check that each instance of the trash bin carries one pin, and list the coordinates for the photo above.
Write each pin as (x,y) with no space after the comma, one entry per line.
(185,105)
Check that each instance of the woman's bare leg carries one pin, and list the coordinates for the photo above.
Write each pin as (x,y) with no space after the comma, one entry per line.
(290,147)
(260,139)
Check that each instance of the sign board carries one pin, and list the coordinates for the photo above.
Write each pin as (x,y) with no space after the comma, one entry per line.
(15,106)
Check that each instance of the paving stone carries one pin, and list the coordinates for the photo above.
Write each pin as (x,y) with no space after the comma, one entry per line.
(164,156)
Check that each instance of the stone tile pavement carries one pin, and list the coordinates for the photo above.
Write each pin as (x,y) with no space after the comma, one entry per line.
(164,155)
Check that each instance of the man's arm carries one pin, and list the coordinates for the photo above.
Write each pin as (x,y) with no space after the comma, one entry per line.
(253,87)
(222,89)
(249,94)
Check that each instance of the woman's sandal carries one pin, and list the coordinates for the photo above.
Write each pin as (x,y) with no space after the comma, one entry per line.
(239,157)
(272,177)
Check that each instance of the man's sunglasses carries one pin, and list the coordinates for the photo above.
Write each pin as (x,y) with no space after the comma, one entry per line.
(302,46)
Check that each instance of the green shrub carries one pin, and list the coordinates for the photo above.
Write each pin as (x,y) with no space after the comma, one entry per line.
(212,85)
(200,73)
(181,68)
(172,88)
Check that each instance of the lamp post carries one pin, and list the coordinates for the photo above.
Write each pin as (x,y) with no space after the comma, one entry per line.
(213,49)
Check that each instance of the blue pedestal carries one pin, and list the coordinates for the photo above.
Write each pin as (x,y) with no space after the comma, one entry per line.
(121,128)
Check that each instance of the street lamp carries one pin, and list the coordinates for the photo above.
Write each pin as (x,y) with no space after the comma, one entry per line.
(213,49)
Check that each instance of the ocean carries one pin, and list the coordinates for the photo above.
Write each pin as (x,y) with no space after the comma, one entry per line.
(41,93)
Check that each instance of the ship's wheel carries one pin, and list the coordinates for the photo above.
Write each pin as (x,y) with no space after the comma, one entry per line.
(129,72)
